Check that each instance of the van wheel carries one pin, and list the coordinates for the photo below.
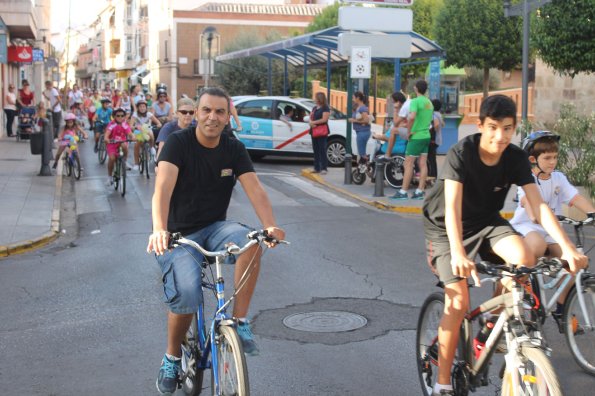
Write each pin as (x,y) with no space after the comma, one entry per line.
(335,151)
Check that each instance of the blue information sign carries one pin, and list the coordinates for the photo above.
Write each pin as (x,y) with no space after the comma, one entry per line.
(37,55)
(434,83)
(3,49)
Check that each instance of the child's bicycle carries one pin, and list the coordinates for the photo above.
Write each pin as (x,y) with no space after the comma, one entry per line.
(145,157)
(577,320)
(72,163)
(393,170)
(219,349)
(527,369)
(119,173)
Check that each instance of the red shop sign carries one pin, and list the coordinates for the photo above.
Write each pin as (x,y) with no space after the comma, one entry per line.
(20,54)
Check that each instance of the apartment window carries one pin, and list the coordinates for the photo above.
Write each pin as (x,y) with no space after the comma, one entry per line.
(196,68)
(112,20)
(129,13)
(114,46)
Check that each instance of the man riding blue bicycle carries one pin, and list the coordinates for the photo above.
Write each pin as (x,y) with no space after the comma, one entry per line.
(197,172)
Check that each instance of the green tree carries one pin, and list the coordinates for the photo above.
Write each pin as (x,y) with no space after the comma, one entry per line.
(564,36)
(476,33)
(328,18)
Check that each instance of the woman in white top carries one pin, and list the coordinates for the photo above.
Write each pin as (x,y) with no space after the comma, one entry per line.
(10,109)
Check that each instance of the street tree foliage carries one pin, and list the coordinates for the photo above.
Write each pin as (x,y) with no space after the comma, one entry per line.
(249,76)
(476,33)
(564,35)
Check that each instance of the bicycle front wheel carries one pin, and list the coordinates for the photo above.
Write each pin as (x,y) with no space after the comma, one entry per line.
(193,375)
(123,176)
(579,335)
(232,372)
(145,163)
(101,151)
(76,166)
(535,375)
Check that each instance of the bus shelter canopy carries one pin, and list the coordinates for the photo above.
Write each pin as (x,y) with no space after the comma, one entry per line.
(319,48)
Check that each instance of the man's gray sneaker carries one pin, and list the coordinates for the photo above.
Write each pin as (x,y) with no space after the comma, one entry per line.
(444,392)
(245,333)
(167,380)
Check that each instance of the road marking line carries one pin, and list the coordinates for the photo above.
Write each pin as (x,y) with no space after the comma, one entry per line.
(317,192)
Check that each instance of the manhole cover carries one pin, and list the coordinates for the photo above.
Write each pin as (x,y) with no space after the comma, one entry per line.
(325,322)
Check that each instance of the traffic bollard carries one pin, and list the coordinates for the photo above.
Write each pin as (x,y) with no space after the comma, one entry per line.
(348,159)
(48,140)
(379,175)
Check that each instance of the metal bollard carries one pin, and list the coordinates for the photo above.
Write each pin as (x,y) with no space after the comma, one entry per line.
(46,155)
(379,174)
(348,159)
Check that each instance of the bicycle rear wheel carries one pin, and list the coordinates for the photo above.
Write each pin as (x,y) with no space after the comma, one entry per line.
(232,371)
(192,383)
(146,156)
(394,171)
(579,336)
(535,376)
(76,166)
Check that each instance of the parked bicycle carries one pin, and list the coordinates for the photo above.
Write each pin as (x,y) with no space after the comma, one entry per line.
(72,163)
(119,173)
(101,150)
(577,320)
(220,349)
(526,370)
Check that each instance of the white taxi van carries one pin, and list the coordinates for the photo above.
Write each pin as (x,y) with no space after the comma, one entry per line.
(278,125)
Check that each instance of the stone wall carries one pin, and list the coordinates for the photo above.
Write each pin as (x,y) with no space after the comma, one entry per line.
(552,89)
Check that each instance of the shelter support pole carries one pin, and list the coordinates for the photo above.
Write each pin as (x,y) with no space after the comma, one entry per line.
(525,64)
(305,90)
(270,76)
(397,82)
(285,76)
(348,156)
(328,75)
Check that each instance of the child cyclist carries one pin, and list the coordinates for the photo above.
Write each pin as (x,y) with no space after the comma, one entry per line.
(118,130)
(101,119)
(462,218)
(555,189)
(69,132)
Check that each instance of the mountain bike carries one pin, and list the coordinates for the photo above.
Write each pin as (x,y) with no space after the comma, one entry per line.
(72,163)
(119,174)
(220,349)
(527,369)
(101,150)
(577,321)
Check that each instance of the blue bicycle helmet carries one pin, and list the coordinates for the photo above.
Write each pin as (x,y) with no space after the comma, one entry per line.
(533,137)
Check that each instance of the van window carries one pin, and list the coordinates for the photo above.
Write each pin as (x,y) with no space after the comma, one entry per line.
(255,108)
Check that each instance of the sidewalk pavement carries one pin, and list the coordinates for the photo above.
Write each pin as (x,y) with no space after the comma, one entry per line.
(334,180)
(30,204)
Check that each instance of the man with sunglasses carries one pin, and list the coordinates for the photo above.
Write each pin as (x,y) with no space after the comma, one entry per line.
(197,172)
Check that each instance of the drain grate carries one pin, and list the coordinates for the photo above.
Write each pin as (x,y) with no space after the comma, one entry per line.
(325,321)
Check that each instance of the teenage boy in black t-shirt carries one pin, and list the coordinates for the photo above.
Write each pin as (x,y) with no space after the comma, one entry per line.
(197,171)
(462,218)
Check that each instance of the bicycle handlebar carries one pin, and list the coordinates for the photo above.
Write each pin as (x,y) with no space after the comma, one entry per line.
(112,141)
(545,265)
(577,223)
(254,237)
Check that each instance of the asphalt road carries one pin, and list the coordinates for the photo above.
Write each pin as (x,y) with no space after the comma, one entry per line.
(84,315)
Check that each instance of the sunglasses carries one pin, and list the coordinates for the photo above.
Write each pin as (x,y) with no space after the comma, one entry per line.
(185,112)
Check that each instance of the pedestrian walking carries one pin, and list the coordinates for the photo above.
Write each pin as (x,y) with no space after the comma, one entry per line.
(10,109)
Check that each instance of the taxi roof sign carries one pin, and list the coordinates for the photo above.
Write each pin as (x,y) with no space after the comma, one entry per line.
(383,2)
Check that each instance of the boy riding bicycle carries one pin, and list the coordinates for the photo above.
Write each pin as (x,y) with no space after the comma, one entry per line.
(462,218)
(198,167)
(555,189)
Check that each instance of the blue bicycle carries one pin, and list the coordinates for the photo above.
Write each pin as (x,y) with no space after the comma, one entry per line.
(221,348)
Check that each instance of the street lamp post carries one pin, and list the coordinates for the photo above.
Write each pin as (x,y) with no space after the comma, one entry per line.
(209,34)
(524,9)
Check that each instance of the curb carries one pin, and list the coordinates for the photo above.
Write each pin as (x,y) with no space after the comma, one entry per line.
(46,238)
(309,174)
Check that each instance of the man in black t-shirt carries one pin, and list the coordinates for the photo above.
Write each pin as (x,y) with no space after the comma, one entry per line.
(197,172)
(462,218)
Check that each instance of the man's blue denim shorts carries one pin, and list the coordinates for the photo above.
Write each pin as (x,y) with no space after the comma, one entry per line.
(181,270)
